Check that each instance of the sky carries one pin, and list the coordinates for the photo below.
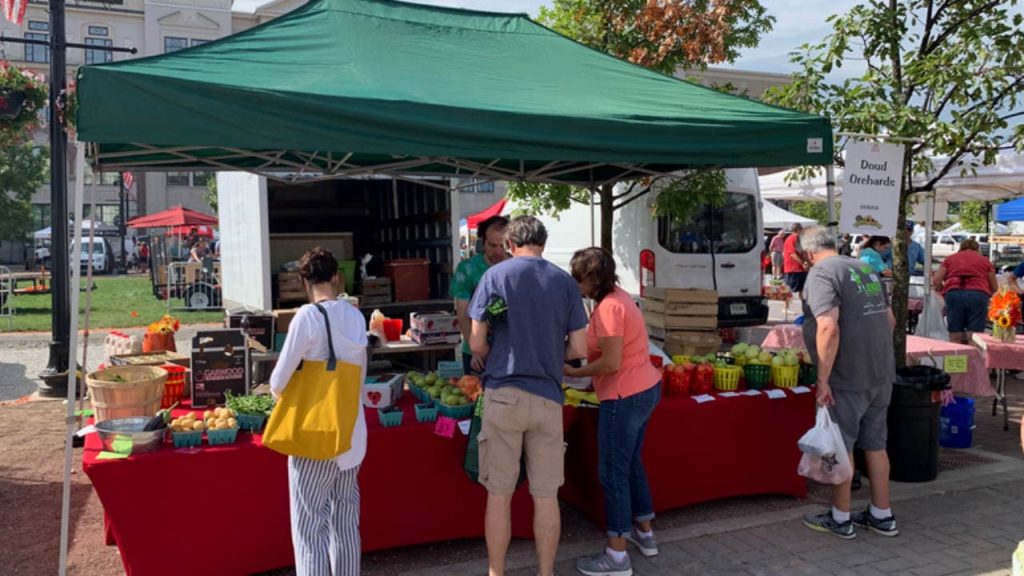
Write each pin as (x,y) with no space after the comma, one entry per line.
(796,22)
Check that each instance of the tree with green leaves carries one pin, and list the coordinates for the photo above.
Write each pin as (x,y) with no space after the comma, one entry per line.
(662,36)
(811,209)
(945,76)
(972,216)
(23,168)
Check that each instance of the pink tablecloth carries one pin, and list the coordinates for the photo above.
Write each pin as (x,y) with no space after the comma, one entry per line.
(974,382)
(1001,355)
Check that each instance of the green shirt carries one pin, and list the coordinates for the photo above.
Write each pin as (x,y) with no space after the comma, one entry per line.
(467,276)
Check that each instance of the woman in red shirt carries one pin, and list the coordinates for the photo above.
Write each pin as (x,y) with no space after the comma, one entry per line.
(627,384)
(966,279)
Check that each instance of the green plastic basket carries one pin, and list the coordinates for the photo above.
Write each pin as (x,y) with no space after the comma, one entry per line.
(808,374)
(457,412)
(187,439)
(251,422)
(757,375)
(426,412)
(221,437)
(390,418)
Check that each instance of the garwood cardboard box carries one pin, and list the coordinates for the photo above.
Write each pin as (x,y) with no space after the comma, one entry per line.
(218,364)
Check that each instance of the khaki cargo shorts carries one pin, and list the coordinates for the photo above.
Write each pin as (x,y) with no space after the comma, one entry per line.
(515,420)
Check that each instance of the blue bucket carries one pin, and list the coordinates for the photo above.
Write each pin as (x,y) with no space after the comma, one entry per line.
(957,424)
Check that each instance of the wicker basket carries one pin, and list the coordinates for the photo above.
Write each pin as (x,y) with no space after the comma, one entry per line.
(126,391)
(785,376)
(757,375)
(727,378)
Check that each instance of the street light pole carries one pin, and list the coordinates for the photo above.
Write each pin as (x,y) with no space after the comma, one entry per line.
(54,377)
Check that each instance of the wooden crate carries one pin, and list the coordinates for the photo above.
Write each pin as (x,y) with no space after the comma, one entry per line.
(680,308)
(682,295)
(692,343)
(670,323)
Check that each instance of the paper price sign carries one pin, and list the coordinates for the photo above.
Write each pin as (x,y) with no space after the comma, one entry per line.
(955,364)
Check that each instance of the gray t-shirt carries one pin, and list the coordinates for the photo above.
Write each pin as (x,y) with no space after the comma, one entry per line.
(865,356)
(528,344)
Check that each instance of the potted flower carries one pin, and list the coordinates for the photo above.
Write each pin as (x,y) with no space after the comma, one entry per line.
(22,95)
(160,335)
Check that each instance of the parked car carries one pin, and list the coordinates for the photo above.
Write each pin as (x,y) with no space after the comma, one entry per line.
(102,255)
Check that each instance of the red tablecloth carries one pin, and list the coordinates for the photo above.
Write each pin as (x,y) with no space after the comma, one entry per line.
(224,510)
(698,452)
(1001,355)
(975,381)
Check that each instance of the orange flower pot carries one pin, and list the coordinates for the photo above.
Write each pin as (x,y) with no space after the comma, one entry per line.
(158,342)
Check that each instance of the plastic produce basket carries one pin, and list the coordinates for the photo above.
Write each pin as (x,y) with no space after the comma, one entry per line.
(785,376)
(251,422)
(219,437)
(727,378)
(426,412)
(187,439)
(390,418)
(757,375)
(457,412)
(808,374)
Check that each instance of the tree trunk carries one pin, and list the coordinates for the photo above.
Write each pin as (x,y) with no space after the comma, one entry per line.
(607,215)
(901,279)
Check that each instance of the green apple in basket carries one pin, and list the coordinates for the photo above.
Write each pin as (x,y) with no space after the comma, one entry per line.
(430,379)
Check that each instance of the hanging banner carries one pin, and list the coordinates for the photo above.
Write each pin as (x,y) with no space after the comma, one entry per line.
(871,194)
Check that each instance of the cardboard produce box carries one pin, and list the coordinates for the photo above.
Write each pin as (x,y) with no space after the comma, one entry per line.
(261,325)
(434,322)
(282,319)
(689,295)
(692,343)
(218,364)
(668,322)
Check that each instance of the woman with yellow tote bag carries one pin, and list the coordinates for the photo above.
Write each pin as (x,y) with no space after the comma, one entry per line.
(318,422)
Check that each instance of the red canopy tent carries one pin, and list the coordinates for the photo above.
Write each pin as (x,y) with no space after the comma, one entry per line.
(177,216)
(495,209)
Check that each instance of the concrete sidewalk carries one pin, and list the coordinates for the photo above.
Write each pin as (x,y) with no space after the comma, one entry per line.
(966,522)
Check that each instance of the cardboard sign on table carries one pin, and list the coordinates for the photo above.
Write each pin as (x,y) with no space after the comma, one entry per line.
(871,194)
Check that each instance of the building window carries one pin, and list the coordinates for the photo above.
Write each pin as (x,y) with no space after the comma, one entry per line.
(41,215)
(98,56)
(201,178)
(99,31)
(37,52)
(177,178)
(172,43)
(102,179)
(38,26)
(479,188)
(198,42)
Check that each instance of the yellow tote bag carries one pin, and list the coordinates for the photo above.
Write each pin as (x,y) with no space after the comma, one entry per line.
(316,414)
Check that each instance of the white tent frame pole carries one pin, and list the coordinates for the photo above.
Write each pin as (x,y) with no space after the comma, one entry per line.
(76,282)
(830,195)
(929,211)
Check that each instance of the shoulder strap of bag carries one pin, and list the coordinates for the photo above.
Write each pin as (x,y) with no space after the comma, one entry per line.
(332,361)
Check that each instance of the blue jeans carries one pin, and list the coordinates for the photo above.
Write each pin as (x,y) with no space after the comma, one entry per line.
(621,426)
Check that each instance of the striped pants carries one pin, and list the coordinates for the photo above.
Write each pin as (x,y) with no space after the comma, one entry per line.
(325,517)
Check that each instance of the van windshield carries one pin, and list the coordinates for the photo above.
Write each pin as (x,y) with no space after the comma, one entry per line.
(730,229)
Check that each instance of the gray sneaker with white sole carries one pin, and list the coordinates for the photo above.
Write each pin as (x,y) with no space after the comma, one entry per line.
(604,565)
(648,545)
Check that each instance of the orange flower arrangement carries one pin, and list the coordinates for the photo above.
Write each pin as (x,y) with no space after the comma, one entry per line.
(1004,313)
(166,325)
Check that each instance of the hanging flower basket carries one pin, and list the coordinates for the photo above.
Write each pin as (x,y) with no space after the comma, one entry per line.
(67,109)
(22,95)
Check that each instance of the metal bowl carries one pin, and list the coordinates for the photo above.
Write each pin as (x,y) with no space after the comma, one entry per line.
(119,429)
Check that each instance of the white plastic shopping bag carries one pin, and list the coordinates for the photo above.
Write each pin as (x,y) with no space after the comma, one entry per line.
(825,459)
(932,318)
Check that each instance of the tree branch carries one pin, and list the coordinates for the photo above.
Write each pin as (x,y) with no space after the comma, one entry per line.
(952,28)
(630,201)
(628,191)
(1014,115)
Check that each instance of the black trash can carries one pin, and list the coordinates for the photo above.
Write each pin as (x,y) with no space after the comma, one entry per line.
(913,420)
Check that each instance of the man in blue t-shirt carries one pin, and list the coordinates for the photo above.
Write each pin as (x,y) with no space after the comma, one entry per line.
(533,313)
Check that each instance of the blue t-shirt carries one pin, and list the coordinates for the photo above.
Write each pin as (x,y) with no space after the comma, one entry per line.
(1019,270)
(528,342)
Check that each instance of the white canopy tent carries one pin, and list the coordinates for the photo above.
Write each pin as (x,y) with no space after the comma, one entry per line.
(775,217)
(97,228)
(999,181)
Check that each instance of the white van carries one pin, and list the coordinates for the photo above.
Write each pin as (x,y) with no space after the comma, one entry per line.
(102,255)
(719,249)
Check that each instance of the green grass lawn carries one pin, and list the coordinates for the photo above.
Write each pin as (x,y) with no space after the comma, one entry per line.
(113,301)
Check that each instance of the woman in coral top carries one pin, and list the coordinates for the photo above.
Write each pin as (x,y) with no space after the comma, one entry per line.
(628,386)
(966,279)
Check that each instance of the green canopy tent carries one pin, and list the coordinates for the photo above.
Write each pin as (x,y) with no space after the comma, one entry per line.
(348,88)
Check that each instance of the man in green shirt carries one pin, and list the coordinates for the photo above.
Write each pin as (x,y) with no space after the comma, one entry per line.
(469,272)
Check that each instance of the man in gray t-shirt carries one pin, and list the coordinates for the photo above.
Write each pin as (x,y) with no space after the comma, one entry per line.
(848,329)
